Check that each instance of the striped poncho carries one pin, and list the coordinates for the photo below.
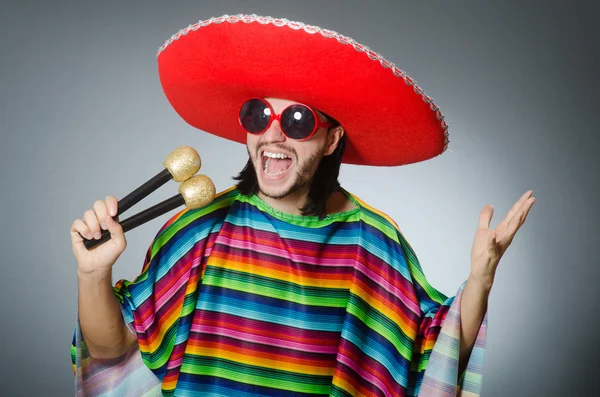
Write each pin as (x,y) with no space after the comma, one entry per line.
(238,299)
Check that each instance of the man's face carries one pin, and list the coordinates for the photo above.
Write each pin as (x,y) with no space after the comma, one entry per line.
(284,166)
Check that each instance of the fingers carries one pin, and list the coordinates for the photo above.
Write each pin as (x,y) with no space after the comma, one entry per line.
(101,211)
(518,206)
(485,217)
(89,217)
(511,227)
(111,224)
(78,229)
(94,221)
(529,204)
(112,204)
(519,218)
(116,233)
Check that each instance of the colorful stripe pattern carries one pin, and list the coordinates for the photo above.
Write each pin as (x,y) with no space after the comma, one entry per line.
(237,299)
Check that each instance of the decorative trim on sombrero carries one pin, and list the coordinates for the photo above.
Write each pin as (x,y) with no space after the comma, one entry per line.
(280,22)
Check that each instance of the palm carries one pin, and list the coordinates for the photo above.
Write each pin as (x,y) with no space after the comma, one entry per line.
(99,257)
(490,244)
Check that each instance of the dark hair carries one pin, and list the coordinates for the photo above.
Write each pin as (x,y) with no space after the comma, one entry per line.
(324,183)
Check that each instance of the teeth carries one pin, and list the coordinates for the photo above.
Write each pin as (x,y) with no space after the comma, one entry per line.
(276,155)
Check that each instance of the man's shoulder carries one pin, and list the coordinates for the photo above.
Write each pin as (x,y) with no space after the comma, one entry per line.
(375,217)
(202,217)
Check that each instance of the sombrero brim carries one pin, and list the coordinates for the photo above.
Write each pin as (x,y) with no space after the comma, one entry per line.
(209,69)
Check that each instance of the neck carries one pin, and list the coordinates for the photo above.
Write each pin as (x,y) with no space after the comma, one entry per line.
(290,204)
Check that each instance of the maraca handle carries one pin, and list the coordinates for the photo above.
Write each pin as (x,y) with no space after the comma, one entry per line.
(139,219)
(138,194)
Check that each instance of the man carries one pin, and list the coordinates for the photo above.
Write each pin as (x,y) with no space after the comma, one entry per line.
(285,285)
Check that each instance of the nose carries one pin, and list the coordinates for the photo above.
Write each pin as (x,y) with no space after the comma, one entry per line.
(273,133)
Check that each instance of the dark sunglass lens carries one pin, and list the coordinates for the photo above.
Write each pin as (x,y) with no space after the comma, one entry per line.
(255,115)
(297,121)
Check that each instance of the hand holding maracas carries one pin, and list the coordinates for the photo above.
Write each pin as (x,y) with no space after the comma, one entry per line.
(101,260)
(100,225)
(196,192)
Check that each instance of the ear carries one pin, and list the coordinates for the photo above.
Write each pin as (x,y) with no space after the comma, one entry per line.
(333,139)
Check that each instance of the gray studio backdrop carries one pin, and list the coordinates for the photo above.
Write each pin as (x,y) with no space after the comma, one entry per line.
(82,115)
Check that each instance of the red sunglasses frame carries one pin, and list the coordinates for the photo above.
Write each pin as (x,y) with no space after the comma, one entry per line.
(277,116)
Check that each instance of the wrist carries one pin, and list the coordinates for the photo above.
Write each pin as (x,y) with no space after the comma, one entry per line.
(482,284)
(94,276)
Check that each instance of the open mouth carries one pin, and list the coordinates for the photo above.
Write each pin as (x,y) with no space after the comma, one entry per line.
(275,164)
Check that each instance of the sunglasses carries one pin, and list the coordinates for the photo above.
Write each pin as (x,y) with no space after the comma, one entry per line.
(297,121)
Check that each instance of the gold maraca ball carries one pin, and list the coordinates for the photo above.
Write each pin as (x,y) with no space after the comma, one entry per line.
(197,191)
(183,163)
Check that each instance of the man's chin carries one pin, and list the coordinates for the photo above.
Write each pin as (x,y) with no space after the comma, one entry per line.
(274,192)
(275,187)
(280,186)
(282,190)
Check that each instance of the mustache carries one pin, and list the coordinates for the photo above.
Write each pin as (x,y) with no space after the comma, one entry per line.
(278,146)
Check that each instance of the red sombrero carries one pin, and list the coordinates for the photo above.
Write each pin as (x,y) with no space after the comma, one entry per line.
(209,69)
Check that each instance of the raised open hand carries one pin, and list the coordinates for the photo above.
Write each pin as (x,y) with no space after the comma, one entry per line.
(489,245)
